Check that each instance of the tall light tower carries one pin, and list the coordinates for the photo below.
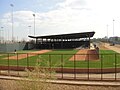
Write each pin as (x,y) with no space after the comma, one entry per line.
(107,31)
(34,23)
(1,34)
(12,21)
(29,29)
(113,27)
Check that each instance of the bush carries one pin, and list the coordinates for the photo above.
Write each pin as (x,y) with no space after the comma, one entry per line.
(37,78)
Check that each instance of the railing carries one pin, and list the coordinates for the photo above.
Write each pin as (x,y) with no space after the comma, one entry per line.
(106,67)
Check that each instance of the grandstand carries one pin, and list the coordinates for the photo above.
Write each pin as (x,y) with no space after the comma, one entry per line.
(63,41)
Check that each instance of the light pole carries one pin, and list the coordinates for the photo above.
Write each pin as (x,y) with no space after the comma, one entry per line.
(107,31)
(113,27)
(8,35)
(34,23)
(12,21)
(2,34)
(29,30)
(107,34)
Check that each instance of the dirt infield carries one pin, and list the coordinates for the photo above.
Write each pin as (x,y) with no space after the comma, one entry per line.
(92,54)
(22,56)
(85,54)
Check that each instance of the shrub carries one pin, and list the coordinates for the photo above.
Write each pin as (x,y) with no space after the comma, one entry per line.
(37,78)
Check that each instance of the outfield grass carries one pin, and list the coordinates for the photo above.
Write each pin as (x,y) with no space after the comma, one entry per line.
(32,60)
(107,60)
(58,58)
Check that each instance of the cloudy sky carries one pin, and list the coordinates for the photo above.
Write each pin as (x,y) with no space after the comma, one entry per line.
(59,17)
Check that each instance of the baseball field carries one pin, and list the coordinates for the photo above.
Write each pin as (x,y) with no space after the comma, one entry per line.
(59,58)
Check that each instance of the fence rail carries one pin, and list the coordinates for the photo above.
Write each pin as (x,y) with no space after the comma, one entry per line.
(106,67)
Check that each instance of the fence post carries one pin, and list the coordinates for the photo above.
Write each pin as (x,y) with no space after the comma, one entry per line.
(62,64)
(74,67)
(50,64)
(101,67)
(88,66)
(115,67)
(27,61)
(17,65)
(8,65)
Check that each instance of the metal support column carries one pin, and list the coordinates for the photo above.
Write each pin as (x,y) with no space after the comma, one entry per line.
(89,41)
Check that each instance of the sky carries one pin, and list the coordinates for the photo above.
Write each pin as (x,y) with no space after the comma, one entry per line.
(59,17)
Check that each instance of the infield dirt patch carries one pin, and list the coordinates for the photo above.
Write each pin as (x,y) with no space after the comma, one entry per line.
(22,56)
(85,54)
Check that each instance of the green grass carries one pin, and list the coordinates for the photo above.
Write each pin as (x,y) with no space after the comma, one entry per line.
(32,60)
(107,60)
(58,58)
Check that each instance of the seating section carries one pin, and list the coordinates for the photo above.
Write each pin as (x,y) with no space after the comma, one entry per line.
(62,45)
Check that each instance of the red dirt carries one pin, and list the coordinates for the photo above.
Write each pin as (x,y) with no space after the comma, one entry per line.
(86,54)
(22,56)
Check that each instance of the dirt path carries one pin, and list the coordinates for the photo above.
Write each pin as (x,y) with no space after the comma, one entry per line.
(17,85)
(102,46)
(115,48)
(22,56)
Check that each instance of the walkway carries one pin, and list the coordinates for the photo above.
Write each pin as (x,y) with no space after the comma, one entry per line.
(115,48)
(89,83)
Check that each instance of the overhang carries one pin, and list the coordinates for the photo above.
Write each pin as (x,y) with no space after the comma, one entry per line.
(66,36)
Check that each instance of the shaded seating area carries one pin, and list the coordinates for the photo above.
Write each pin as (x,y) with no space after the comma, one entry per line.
(63,41)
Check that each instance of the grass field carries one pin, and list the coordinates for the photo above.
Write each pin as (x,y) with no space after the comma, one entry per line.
(58,58)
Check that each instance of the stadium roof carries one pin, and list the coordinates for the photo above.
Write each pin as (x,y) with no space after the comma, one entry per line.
(67,36)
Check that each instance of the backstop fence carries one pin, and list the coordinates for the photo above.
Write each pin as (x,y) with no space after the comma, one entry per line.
(107,67)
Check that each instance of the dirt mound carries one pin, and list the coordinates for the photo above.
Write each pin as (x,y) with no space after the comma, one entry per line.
(86,54)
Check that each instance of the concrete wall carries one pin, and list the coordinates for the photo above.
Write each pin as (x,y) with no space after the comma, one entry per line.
(18,46)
